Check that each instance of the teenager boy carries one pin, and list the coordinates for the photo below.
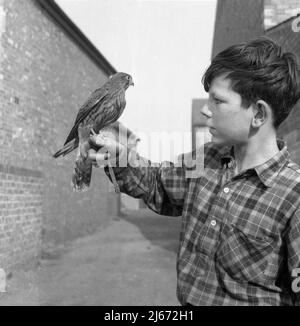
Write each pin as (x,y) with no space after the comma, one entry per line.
(240,236)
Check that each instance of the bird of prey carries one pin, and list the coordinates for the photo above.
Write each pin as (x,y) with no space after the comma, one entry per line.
(103,107)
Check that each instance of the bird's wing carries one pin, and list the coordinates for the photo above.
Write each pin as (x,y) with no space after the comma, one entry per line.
(93,100)
(111,115)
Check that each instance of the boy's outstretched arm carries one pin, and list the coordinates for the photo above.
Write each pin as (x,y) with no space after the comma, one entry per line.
(163,186)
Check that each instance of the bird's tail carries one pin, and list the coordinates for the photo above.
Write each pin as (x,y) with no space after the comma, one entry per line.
(82,174)
(69,147)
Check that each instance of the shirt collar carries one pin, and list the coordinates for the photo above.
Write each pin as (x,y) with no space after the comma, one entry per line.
(267,171)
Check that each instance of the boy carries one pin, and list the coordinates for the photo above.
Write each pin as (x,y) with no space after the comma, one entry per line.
(240,236)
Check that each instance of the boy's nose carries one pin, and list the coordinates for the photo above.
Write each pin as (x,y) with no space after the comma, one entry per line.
(206,111)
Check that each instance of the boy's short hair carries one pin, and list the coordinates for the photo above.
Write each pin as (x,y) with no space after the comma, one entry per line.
(258,70)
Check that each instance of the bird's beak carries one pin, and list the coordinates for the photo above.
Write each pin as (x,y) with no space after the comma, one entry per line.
(131,83)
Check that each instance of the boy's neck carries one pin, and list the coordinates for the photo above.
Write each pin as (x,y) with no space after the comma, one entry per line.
(255,152)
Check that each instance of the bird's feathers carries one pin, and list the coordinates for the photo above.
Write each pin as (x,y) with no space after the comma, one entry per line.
(82,174)
(68,148)
(103,107)
(94,100)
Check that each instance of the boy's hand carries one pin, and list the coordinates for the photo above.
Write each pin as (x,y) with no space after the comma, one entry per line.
(107,148)
(98,159)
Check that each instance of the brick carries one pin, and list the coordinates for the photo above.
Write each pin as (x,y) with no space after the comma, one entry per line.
(278,11)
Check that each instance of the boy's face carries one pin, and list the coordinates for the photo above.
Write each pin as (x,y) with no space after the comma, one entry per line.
(229,122)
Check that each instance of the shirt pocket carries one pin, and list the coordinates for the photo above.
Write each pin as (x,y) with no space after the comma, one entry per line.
(244,256)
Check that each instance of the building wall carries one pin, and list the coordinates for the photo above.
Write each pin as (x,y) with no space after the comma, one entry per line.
(289,129)
(277,11)
(279,17)
(237,21)
(44,77)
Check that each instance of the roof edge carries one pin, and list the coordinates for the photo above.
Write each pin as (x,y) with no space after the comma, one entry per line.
(282,23)
(61,18)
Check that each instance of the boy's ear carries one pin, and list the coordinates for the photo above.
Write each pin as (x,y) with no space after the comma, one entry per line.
(261,112)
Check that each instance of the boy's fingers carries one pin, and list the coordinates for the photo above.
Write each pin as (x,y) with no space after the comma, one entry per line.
(102,156)
(102,141)
(92,154)
(102,159)
(98,158)
(95,141)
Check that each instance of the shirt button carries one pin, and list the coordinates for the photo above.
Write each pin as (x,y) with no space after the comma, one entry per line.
(226,190)
(213,223)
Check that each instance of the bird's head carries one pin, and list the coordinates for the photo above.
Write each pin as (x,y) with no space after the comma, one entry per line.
(122,79)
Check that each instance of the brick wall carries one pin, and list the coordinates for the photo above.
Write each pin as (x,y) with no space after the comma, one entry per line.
(277,11)
(237,21)
(20,215)
(44,79)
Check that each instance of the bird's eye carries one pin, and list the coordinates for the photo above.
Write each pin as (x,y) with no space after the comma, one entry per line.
(128,77)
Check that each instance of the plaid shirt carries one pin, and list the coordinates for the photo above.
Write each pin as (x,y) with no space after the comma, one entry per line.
(240,235)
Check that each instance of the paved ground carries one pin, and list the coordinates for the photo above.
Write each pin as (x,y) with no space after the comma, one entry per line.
(131,262)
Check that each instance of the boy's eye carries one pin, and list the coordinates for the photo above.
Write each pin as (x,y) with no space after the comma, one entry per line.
(217,100)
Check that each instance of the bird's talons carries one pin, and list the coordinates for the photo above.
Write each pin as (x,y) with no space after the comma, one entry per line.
(97,139)
(93,137)
(83,132)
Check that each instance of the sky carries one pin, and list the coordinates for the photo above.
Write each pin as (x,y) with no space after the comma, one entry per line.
(166,46)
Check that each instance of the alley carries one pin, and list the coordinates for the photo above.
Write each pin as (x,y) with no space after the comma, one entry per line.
(130,262)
